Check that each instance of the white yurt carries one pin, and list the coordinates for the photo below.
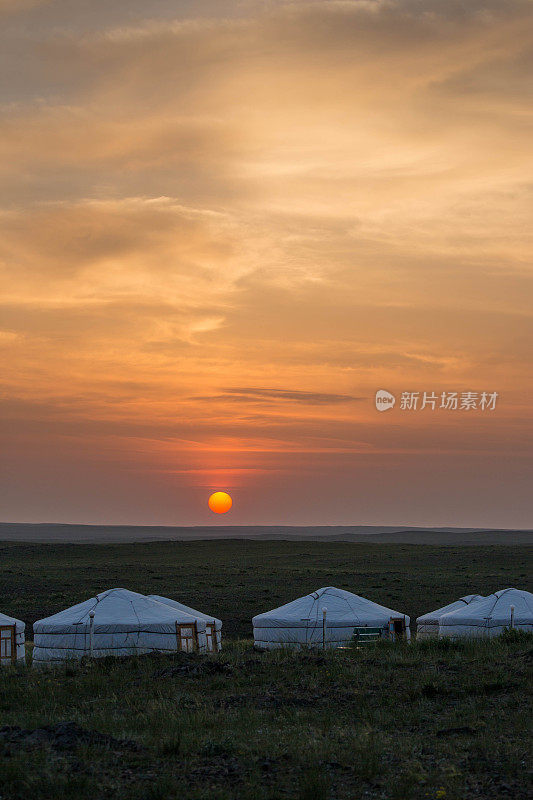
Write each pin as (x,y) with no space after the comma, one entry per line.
(213,626)
(325,618)
(11,640)
(116,623)
(427,626)
(489,616)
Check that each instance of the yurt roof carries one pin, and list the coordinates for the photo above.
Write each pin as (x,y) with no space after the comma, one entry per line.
(495,606)
(339,604)
(187,609)
(5,620)
(116,607)
(434,616)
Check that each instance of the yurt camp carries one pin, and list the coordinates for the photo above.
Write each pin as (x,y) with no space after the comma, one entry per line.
(490,616)
(427,626)
(116,623)
(329,617)
(213,626)
(11,640)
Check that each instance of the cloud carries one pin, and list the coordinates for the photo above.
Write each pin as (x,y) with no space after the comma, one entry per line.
(250,394)
(17,6)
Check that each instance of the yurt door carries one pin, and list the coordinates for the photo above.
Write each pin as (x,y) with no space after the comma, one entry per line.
(187,637)
(397,627)
(211,637)
(8,652)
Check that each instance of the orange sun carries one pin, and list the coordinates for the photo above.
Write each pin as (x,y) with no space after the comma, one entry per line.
(220,502)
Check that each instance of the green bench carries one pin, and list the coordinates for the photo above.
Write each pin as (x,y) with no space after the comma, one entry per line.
(365,635)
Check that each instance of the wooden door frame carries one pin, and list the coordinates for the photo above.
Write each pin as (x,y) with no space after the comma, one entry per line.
(179,638)
(401,620)
(214,635)
(13,630)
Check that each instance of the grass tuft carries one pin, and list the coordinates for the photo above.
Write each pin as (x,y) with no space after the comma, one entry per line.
(314,784)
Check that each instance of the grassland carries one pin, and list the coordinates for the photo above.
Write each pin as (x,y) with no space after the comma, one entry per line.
(391,721)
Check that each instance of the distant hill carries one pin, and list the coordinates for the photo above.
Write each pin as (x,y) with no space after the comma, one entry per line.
(50,532)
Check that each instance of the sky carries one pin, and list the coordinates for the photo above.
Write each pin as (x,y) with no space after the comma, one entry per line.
(225,225)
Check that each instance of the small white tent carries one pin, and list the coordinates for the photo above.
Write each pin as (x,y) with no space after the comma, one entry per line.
(116,623)
(325,618)
(490,615)
(213,631)
(427,626)
(11,640)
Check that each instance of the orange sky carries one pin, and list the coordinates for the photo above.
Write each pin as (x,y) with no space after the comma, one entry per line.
(225,225)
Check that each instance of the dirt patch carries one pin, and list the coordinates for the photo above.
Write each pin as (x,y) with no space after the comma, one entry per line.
(498,687)
(193,668)
(222,769)
(464,730)
(62,736)
(432,690)
(268,700)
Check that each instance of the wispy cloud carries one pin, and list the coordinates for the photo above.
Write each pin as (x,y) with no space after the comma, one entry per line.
(292,395)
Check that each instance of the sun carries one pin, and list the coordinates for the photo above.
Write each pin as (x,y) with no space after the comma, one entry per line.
(220,502)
